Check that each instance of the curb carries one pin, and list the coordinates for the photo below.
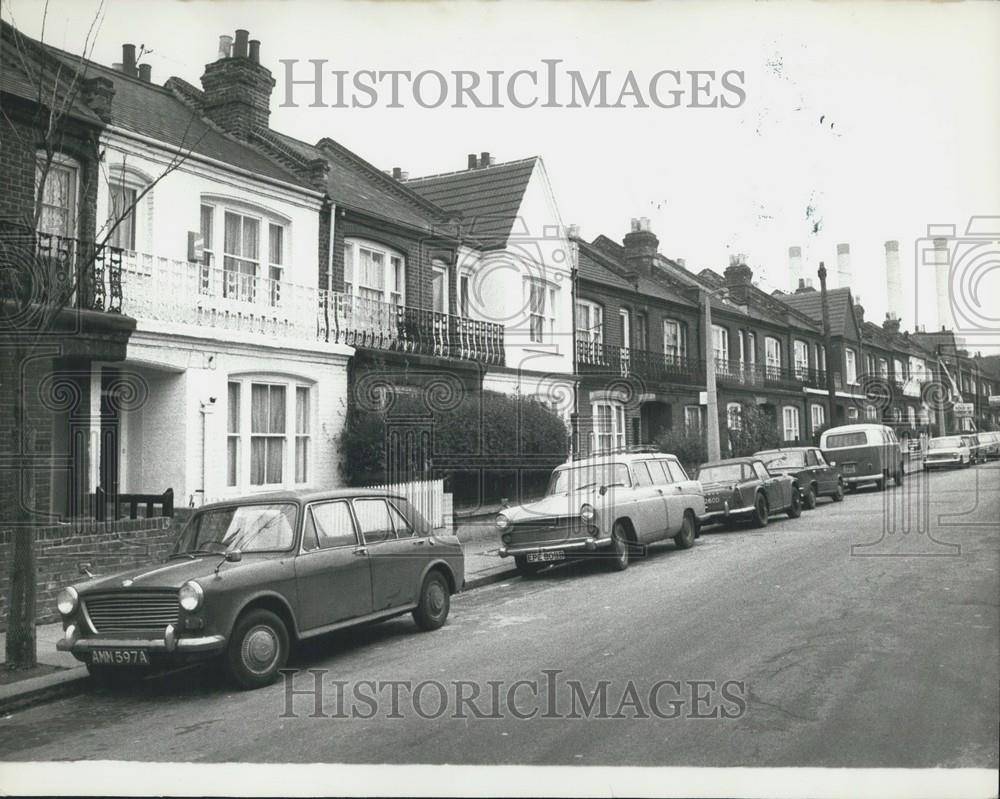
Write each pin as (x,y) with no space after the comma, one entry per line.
(489,579)
(58,685)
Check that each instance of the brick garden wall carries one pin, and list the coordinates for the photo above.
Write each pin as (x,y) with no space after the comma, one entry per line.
(107,546)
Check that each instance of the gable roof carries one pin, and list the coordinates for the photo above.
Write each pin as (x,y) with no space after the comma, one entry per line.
(487,198)
(352,182)
(599,267)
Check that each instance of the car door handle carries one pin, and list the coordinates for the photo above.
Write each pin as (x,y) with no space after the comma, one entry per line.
(361,551)
(678,488)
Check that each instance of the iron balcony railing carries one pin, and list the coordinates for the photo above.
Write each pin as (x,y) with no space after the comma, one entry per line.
(375,324)
(596,358)
(44,270)
(735,372)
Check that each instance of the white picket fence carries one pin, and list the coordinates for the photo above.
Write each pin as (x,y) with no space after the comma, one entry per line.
(428,497)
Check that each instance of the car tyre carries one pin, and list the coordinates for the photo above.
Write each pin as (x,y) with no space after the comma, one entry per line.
(258,648)
(619,547)
(685,538)
(838,495)
(435,602)
(899,477)
(760,511)
(524,568)
(795,509)
(809,498)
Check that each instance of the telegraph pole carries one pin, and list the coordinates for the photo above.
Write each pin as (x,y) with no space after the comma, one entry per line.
(712,401)
(831,389)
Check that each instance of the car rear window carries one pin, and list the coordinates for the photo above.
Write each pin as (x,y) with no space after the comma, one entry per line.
(837,440)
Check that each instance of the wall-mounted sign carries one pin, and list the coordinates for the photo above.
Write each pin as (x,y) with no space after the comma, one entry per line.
(995,400)
(963,409)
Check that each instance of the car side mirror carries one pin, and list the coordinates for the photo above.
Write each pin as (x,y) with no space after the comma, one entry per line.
(234,556)
(84,569)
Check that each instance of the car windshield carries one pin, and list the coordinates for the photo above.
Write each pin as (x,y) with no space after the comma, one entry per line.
(722,473)
(248,528)
(783,460)
(591,475)
(846,440)
(945,443)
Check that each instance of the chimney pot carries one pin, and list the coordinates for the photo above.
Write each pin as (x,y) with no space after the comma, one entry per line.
(242,37)
(225,46)
(681,262)
(473,161)
(255,50)
(484,158)
(397,173)
(128,59)
(573,231)
(117,66)
(145,73)
(404,175)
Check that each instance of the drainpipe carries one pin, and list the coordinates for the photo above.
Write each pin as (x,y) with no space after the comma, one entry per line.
(207,408)
(574,422)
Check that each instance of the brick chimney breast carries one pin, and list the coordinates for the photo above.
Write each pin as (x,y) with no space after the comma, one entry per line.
(739,280)
(97,94)
(891,325)
(641,247)
(238,90)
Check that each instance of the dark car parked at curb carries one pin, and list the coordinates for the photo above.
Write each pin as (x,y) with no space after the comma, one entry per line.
(742,489)
(816,477)
(248,577)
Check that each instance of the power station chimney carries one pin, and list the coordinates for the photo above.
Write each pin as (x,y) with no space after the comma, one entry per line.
(893,280)
(795,266)
(843,265)
(942,270)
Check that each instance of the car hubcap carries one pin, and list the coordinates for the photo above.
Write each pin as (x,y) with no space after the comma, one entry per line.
(260,649)
(435,598)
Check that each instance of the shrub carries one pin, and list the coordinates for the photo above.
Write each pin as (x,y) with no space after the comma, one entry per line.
(758,431)
(510,444)
(688,445)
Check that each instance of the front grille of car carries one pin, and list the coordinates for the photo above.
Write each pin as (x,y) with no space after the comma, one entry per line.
(546,531)
(133,612)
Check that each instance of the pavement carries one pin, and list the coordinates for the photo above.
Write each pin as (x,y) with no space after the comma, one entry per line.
(483,566)
(863,634)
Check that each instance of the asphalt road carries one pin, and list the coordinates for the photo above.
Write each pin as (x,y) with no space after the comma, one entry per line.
(886,655)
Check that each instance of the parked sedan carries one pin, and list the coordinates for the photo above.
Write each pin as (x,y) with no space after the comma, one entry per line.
(251,576)
(816,477)
(991,445)
(947,451)
(742,489)
(606,505)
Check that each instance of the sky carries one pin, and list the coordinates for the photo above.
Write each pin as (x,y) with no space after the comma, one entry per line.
(873,119)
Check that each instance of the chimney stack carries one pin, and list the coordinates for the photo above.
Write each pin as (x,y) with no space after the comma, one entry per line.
(893,280)
(891,324)
(484,159)
(397,173)
(473,161)
(641,247)
(843,265)
(681,262)
(128,60)
(942,270)
(739,279)
(795,266)
(237,88)
(145,73)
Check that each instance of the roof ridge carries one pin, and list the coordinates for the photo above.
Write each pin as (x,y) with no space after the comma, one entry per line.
(326,144)
(478,169)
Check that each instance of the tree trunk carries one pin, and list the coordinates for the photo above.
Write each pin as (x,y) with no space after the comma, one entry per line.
(21,646)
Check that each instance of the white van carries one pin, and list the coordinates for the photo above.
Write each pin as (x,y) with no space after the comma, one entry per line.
(864,453)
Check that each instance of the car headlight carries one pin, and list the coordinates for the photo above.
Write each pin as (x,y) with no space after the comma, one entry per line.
(191,596)
(67,601)
(505,538)
(502,522)
(587,513)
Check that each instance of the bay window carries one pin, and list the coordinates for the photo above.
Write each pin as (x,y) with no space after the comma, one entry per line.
(268,433)
(253,251)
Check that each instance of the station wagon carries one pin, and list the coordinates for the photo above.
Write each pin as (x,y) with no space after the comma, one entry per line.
(607,505)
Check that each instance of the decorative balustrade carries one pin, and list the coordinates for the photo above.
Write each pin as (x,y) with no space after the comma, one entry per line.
(375,324)
(596,358)
(43,270)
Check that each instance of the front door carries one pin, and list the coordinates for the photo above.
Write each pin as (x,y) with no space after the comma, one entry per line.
(333,571)
(398,556)
(111,404)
